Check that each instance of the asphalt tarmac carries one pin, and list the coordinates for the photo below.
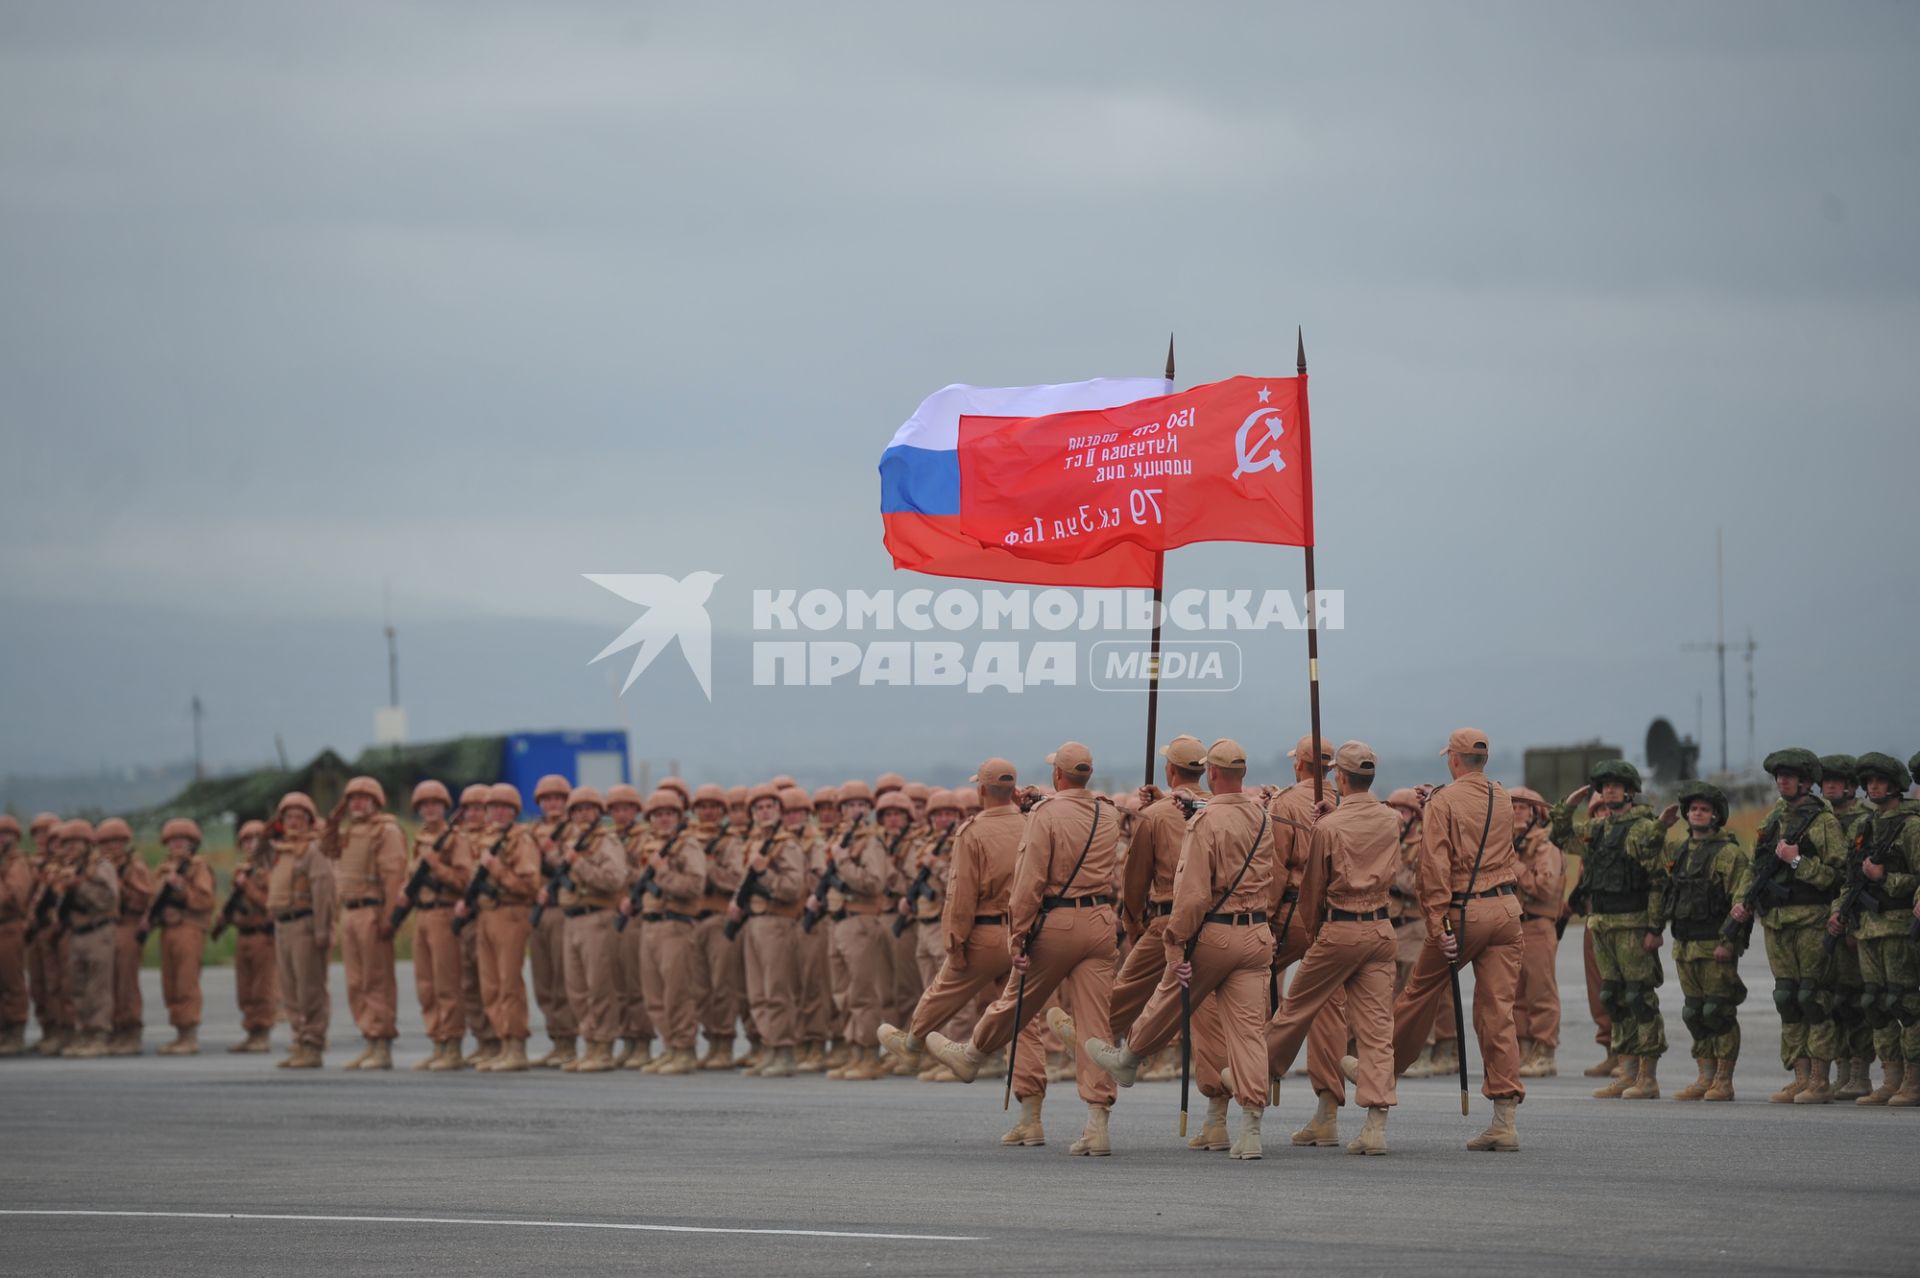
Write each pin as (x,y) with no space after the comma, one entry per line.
(225,1165)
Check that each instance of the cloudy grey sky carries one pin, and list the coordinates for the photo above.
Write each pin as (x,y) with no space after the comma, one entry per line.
(474,298)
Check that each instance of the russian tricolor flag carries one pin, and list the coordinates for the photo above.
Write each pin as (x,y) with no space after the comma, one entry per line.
(920,485)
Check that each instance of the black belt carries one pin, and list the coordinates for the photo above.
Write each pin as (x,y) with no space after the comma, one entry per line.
(1246,918)
(1157,909)
(581,911)
(704,915)
(672,916)
(1075,902)
(1403,921)
(290,915)
(1505,889)
(1351,916)
(364,903)
(989,920)
(265,929)
(1542,918)
(431,905)
(82,929)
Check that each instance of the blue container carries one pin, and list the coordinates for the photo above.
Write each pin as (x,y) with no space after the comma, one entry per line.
(597,758)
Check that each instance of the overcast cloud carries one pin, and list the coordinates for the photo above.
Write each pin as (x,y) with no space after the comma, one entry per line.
(472,299)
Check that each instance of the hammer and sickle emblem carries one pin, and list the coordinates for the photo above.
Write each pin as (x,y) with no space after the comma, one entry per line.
(1262,426)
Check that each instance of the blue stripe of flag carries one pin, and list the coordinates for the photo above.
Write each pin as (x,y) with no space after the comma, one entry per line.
(921,480)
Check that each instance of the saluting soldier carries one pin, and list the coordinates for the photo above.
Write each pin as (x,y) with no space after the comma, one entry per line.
(183,921)
(1707,873)
(16,896)
(448,863)
(510,860)
(768,930)
(1622,877)
(113,839)
(1877,910)
(1217,943)
(302,899)
(1467,880)
(1799,860)
(1061,934)
(370,868)
(256,978)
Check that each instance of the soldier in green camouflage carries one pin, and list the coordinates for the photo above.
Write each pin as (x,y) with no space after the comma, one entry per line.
(1883,869)
(1707,873)
(1853,1064)
(1798,861)
(1621,883)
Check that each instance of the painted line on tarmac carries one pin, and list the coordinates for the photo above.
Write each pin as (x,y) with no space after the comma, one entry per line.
(521,1224)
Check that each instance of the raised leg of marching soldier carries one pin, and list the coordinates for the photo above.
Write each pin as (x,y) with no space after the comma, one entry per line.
(1354,960)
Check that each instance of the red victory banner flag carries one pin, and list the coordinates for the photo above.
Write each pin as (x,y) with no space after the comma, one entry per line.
(1229,461)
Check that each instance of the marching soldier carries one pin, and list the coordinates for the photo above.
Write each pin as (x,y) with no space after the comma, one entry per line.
(973,930)
(1622,878)
(1539,872)
(1146,893)
(1351,863)
(1707,874)
(302,899)
(1466,880)
(715,963)
(1798,861)
(636,1030)
(1217,943)
(587,892)
(861,934)
(1853,1035)
(442,854)
(471,817)
(370,868)
(1061,934)
(509,860)
(768,930)
(677,877)
(113,839)
(16,897)
(46,953)
(256,984)
(89,905)
(186,911)
(550,933)
(1878,909)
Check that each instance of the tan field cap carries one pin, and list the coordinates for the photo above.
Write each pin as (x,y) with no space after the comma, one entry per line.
(1073,759)
(1466,741)
(995,771)
(1356,757)
(1184,752)
(1227,753)
(1305,748)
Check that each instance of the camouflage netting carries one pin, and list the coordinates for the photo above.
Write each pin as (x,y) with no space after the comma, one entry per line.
(461,762)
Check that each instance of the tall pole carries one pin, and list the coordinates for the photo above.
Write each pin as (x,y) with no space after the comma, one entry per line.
(393,654)
(1313,604)
(199,768)
(1720,633)
(1153,650)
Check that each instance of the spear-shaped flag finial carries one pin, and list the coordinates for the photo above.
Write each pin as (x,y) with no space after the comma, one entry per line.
(1169,357)
(1302,336)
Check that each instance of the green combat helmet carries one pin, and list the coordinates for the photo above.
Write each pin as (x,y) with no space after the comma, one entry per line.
(1913,765)
(1839,767)
(1793,759)
(1615,770)
(1875,764)
(1701,790)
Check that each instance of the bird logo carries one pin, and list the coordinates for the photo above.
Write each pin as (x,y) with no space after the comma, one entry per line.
(674,610)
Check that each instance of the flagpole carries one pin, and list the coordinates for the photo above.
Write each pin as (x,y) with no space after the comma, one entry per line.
(1153,651)
(1313,607)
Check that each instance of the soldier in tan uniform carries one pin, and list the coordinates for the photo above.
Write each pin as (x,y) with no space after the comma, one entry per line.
(506,878)
(303,900)
(256,983)
(923,907)
(16,895)
(46,961)
(1539,874)
(636,1029)
(1403,895)
(861,934)
(1062,929)
(550,933)
(907,981)
(88,906)
(441,853)
(973,933)
(1351,862)
(370,869)
(818,1024)
(768,929)
(1467,879)
(676,882)
(715,964)
(113,839)
(186,911)
(589,889)
(471,816)
(852,821)
(1217,943)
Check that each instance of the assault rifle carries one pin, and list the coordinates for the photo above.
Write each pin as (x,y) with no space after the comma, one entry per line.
(236,896)
(168,897)
(829,881)
(646,886)
(562,880)
(1772,880)
(481,884)
(750,887)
